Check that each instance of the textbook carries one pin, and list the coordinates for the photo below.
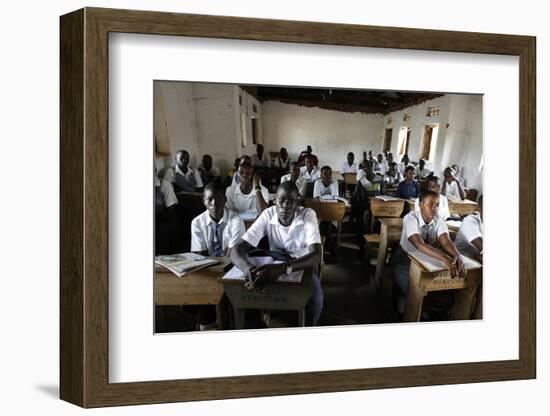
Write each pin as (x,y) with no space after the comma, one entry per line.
(236,274)
(434,265)
(332,198)
(184,263)
(387,198)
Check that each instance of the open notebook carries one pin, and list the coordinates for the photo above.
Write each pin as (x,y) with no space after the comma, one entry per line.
(434,265)
(236,274)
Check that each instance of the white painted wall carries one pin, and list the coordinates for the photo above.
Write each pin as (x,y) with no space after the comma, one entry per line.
(332,134)
(460,142)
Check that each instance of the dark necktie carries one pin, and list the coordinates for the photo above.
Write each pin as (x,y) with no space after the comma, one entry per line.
(216,240)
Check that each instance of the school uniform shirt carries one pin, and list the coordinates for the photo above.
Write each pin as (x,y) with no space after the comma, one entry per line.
(260,163)
(381,168)
(283,164)
(301,183)
(293,239)
(373,186)
(401,167)
(238,202)
(319,189)
(390,180)
(186,182)
(413,223)
(310,177)
(229,230)
(167,191)
(470,229)
(345,168)
(443,211)
(236,181)
(422,173)
(408,189)
(212,173)
(452,190)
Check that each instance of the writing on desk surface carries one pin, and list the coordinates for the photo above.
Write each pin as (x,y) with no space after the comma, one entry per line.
(271,294)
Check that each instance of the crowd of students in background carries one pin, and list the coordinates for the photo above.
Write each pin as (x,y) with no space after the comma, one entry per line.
(220,228)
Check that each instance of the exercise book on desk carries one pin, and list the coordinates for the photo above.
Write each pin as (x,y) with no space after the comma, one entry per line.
(387,198)
(184,263)
(435,265)
(236,274)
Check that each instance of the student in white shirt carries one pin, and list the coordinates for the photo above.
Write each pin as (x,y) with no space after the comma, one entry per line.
(403,165)
(349,166)
(310,172)
(208,171)
(249,194)
(236,178)
(260,159)
(325,185)
(297,178)
(420,231)
(283,161)
(293,234)
(469,239)
(434,185)
(216,230)
(392,178)
(451,185)
(458,174)
(372,183)
(181,176)
(167,239)
(421,172)
(381,166)
(214,233)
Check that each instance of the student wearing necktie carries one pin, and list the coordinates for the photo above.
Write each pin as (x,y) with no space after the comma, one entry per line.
(421,230)
(214,233)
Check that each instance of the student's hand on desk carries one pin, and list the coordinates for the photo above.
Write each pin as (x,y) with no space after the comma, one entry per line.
(460,268)
(262,275)
(451,267)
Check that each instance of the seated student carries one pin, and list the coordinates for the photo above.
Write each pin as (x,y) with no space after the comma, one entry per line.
(214,233)
(457,173)
(469,239)
(283,161)
(236,178)
(381,166)
(310,172)
(167,240)
(249,194)
(421,172)
(231,172)
(208,171)
(392,178)
(434,185)
(349,166)
(421,230)
(293,234)
(371,182)
(218,229)
(325,185)
(451,186)
(404,164)
(308,153)
(181,176)
(260,159)
(296,177)
(409,188)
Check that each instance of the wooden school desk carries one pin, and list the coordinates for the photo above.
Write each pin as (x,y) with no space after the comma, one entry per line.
(202,287)
(390,232)
(283,296)
(462,208)
(422,281)
(385,209)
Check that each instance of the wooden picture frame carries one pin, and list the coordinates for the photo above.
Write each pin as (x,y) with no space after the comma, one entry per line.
(84,207)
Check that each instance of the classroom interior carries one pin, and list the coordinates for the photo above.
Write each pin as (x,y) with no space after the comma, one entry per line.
(227,121)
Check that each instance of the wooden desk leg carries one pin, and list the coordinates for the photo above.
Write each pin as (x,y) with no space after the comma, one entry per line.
(239,318)
(415,295)
(462,305)
(338,231)
(302,317)
(382,250)
(478,311)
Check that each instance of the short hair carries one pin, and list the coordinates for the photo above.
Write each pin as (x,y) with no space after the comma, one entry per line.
(207,156)
(245,159)
(182,151)
(326,167)
(433,179)
(409,168)
(215,187)
(294,163)
(246,164)
(351,154)
(392,165)
(288,186)
(426,194)
(447,170)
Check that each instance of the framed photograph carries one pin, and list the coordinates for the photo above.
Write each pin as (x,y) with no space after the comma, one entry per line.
(182,154)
